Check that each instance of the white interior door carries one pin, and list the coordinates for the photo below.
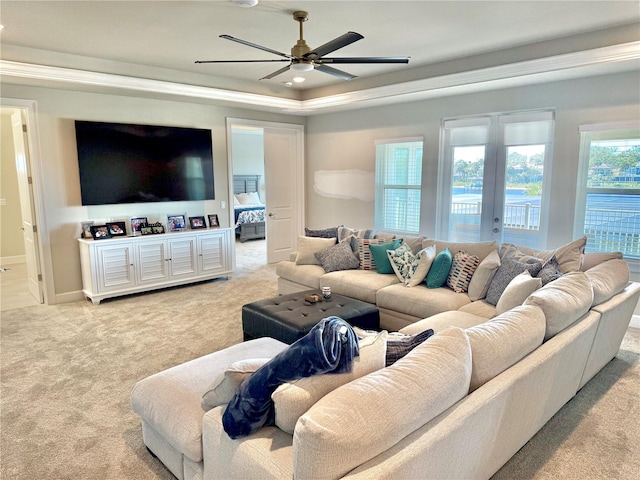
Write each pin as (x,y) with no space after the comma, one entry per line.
(25,188)
(283,147)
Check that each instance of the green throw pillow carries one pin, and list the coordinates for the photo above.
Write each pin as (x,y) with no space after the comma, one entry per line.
(379,252)
(439,270)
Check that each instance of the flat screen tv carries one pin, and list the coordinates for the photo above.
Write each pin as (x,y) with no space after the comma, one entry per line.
(123,163)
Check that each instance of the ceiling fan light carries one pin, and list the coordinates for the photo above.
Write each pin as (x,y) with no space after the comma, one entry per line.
(302,67)
(245,3)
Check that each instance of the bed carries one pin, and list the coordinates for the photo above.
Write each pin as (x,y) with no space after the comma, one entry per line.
(249,216)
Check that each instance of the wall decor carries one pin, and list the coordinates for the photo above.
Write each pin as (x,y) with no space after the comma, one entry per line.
(99,232)
(117,229)
(136,223)
(197,222)
(213,220)
(176,223)
(86,229)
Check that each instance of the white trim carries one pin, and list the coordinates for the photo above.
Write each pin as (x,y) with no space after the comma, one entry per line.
(398,140)
(603,127)
(635,321)
(571,65)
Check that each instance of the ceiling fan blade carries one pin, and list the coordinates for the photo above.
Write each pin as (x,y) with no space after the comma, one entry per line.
(342,41)
(259,47)
(239,61)
(276,73)
(363,60)
(335,72)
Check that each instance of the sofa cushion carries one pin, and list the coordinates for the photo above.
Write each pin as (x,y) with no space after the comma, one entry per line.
(479,249)
(569,256)
(517,291)
(440,321)
(503,341)
(591,259)
(419,301)
(483,275)
(338,257)
(308,275)
(360,284)
(411,269)
(439,270)
(308,246)
(608,279)
(222,389)
(509,268)
(463,267)
(380,256)
(563,301)
(480,308)
(367,416)
(292,400)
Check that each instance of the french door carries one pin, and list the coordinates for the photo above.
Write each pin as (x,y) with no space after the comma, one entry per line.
(492,184)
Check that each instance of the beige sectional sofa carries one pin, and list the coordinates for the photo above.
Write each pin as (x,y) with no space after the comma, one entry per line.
(457,406)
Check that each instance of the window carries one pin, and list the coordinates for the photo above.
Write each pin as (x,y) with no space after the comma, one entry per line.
(492,177)
(398,185)
(608,201)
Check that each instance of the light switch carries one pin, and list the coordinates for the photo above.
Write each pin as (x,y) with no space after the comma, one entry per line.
(3,201)
(223,204)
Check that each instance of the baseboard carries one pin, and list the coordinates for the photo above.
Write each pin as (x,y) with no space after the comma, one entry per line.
(635,321)
(13,260)
(70,297)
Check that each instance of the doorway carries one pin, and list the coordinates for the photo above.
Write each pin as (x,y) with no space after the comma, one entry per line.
(22,279)
(268,158)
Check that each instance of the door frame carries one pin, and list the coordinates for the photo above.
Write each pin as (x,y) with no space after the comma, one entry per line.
(29,107)
(300,180)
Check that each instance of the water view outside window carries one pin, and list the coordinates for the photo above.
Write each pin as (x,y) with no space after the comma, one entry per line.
(609,208)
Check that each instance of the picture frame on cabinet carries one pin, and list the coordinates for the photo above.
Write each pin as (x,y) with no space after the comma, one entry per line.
(197,222)
(136,223)
(117,229)
(176,223)
(86,229)
(100,232)
(213,220)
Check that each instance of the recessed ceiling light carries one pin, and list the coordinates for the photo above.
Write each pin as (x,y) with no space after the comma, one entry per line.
(298,79)
(288,84)
(245,3)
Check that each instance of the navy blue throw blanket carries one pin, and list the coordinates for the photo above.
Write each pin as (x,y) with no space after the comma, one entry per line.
(329,347)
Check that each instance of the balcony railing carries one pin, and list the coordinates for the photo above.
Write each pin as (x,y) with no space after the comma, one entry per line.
(606,230)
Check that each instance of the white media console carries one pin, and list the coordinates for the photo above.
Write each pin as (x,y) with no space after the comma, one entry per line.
(125,265)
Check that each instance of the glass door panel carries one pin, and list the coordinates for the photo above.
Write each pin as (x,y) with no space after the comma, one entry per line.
(466,193)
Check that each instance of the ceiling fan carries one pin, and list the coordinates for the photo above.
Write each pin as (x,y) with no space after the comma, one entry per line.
(304,59)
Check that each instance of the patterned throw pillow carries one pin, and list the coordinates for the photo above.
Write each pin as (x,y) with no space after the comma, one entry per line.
(411,269)
(367,261)
(507,271)
(462,269)
(344,232)
(439,270)
(338,257)
(399,344)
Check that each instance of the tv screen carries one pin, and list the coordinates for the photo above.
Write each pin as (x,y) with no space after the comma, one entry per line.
(122,163)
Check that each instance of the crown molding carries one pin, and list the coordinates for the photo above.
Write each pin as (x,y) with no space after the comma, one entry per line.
(572,65)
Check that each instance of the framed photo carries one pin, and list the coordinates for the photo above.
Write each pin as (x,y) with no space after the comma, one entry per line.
(86,229)
(117,229)
(99,232)
(176,222)
(136,223)
(197,222)
(213,220)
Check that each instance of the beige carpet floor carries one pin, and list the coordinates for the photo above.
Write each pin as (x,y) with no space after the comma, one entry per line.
(67,371)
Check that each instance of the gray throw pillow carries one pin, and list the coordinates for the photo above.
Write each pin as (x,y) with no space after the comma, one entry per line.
(550,271)
(506,272)
(338,257)
(321,233)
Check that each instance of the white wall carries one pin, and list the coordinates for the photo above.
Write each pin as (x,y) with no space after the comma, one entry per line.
(57,110)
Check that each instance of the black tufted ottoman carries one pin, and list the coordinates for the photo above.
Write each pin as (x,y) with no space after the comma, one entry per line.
(288,317)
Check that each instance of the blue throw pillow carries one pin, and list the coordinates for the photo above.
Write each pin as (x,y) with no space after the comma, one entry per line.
(379,252)
(439,270)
